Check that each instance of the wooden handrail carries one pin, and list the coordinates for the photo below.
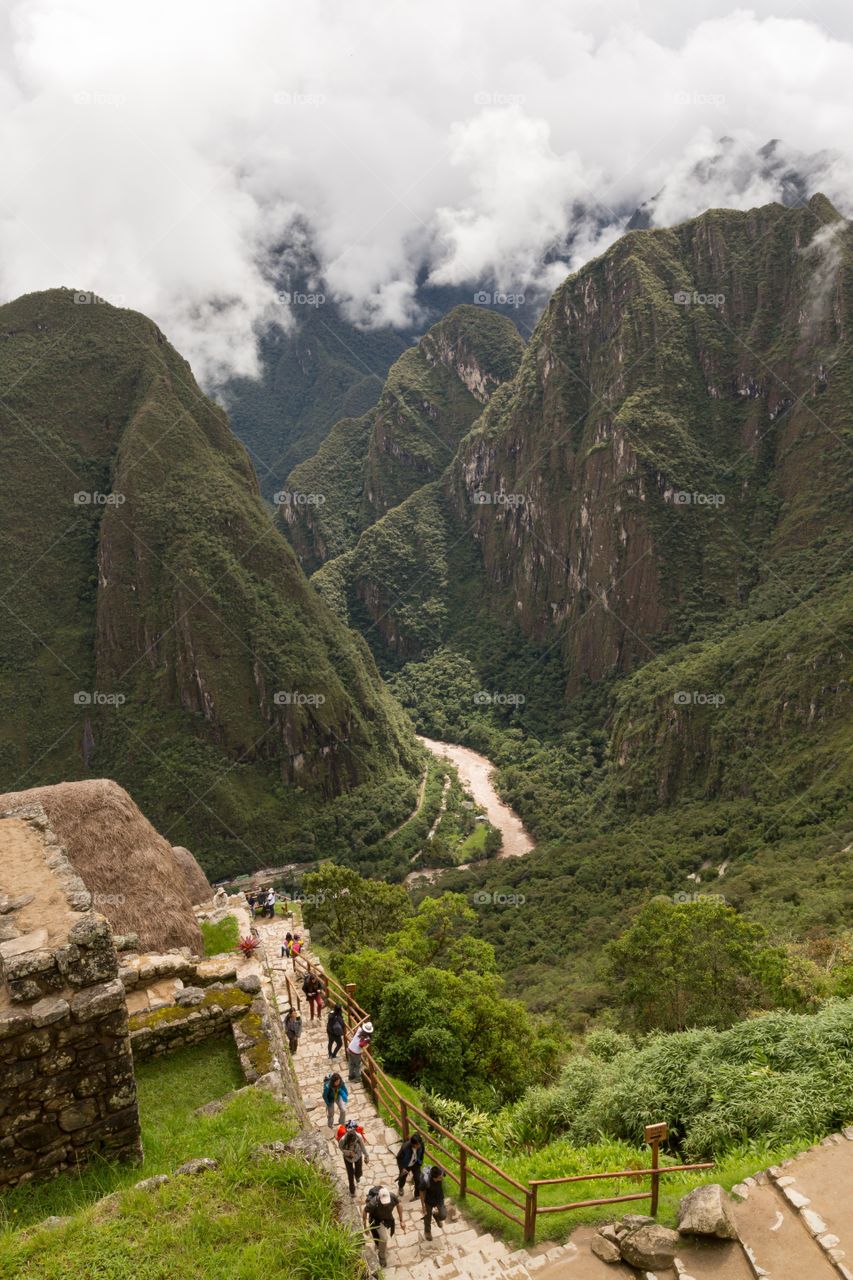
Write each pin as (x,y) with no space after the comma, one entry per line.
(620,1173)
(401,1110)
(587,1204)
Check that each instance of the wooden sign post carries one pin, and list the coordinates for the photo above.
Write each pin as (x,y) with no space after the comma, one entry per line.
(655,1134)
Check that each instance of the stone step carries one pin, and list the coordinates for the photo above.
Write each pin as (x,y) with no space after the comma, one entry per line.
(776,1239)
(459,1250)
(819,1185)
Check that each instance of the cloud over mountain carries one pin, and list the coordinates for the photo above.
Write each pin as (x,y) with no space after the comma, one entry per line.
(166,155)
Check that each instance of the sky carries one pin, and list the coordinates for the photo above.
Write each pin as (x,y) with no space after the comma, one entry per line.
(169,156)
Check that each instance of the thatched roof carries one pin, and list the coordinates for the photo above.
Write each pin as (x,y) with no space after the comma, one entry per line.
(128,867)
(196,882)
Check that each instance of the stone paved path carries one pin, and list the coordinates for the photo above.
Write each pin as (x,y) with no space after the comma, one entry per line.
(795,1221)
(463,1248)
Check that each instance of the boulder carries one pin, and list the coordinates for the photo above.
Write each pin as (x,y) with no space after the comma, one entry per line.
(210,1108)
(632,1220)
(705,1212)
(152,1183)
(190,996)
(251,984)
(604,1249)
(649,1247)
(197,1166)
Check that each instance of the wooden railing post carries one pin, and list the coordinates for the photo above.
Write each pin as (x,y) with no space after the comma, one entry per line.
(463,1171)
(350,990)
(655,1134)
(655,1179)
(530,1214)
(404,1119)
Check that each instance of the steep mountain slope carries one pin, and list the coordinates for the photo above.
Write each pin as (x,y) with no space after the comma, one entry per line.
(325,367)
(158,628)
(366,466)
(632,588)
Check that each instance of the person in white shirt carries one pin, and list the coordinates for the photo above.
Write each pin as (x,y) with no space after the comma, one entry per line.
(356,1047)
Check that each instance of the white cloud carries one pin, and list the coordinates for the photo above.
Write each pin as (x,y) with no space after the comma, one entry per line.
(165,153)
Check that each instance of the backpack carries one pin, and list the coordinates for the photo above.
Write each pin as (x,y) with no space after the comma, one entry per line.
(385,1212)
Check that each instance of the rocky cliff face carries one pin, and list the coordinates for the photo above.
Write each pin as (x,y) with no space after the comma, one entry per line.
(644,469)
(663,488)
(650,462)
(368,466)
(159,628)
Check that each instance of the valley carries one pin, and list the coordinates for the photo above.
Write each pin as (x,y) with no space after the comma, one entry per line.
(475,774)
(536,714)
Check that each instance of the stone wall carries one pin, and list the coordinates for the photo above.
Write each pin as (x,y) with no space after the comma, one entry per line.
(175,1026)
(67,1088)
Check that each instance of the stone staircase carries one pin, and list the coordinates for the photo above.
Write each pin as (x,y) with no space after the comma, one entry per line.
(795,1220)
(462,1249)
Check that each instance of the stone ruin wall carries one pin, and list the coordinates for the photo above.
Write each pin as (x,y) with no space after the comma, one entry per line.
(67,1087)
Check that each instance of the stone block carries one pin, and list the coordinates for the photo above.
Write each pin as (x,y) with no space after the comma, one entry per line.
(33,1044)
(36,1136)
(78,1115)
(24,944)
(14,1021)
(49,1010)
(97,1001)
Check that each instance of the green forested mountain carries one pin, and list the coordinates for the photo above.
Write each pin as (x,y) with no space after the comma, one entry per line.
(157,627)
(366,466)
(631,586)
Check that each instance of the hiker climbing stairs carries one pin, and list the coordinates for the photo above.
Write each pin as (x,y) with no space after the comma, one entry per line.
(794,1220)
(462,1249)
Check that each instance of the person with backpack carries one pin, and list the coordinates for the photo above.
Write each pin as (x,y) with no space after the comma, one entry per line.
(312,988)
(335,1031)
(378,1215)
(335,1094)
(285,946)
(293,1029)
(295,949)
(432,1199)
(410,1160)
(352,1147)
(356,1047)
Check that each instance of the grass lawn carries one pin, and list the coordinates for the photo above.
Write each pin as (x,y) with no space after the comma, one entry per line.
(249,1217)
(223,936)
